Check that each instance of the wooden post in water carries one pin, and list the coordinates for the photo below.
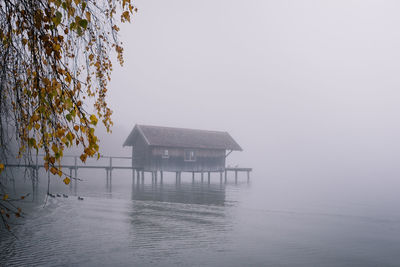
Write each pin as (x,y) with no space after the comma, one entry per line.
(209,176)
(236,176)
(161,176)
(248,176)
(48,181)
(37,168)
(110,169)
(138,176)
(133,175)
(142,176)
(70,176)
(226,176)
(76,169)
(202,176)
(192,177)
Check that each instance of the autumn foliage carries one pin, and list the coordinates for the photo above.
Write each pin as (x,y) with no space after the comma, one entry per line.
(55,57)
(54,63)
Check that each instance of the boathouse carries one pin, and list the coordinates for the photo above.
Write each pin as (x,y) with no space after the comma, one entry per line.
(156,148)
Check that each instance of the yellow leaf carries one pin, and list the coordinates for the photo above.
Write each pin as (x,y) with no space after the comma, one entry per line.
(60,132)
(52,160)
(88,16)
(93,119)
(83,157)
(70,136)
(5,197)
(54,148)
(125,16)
(67,180)
(53,170)
(1,167)
(68,78)
(35,117)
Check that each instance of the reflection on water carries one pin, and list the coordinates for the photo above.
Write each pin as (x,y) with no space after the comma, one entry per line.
(156,224)
(191,223)
(189,193)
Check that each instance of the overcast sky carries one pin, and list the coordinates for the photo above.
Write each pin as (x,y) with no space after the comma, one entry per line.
(307,88)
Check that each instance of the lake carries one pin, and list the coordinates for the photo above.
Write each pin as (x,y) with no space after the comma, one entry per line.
(259,223)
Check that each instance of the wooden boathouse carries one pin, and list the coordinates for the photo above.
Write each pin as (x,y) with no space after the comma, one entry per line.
(156,148)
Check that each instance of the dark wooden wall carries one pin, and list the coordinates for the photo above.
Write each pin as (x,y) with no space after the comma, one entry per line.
(150,158)
(206,160)
(140,152)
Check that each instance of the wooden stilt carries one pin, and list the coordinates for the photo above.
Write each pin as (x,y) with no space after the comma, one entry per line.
(110,169)
(70,176)
(236,176)
(107,177)
(76,170)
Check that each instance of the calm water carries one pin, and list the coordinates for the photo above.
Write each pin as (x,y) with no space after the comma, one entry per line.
(198,224)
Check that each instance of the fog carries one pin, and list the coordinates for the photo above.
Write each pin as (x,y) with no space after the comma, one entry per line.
(309,89)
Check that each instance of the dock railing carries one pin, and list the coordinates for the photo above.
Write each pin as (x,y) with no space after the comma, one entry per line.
(109,165)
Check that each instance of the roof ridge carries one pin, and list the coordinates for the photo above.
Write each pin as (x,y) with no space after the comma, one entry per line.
(142,133)
(183,137)
(181,128)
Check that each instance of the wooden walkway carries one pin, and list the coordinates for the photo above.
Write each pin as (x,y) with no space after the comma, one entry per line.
(139,172)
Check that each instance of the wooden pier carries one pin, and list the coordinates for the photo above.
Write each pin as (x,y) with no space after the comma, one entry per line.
(139,172)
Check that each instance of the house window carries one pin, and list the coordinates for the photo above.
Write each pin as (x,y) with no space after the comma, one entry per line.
(165,154)
(190,155)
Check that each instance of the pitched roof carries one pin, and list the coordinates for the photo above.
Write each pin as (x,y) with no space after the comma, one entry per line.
(180,137)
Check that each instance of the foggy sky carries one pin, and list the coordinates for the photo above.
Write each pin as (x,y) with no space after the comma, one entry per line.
(309,89)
